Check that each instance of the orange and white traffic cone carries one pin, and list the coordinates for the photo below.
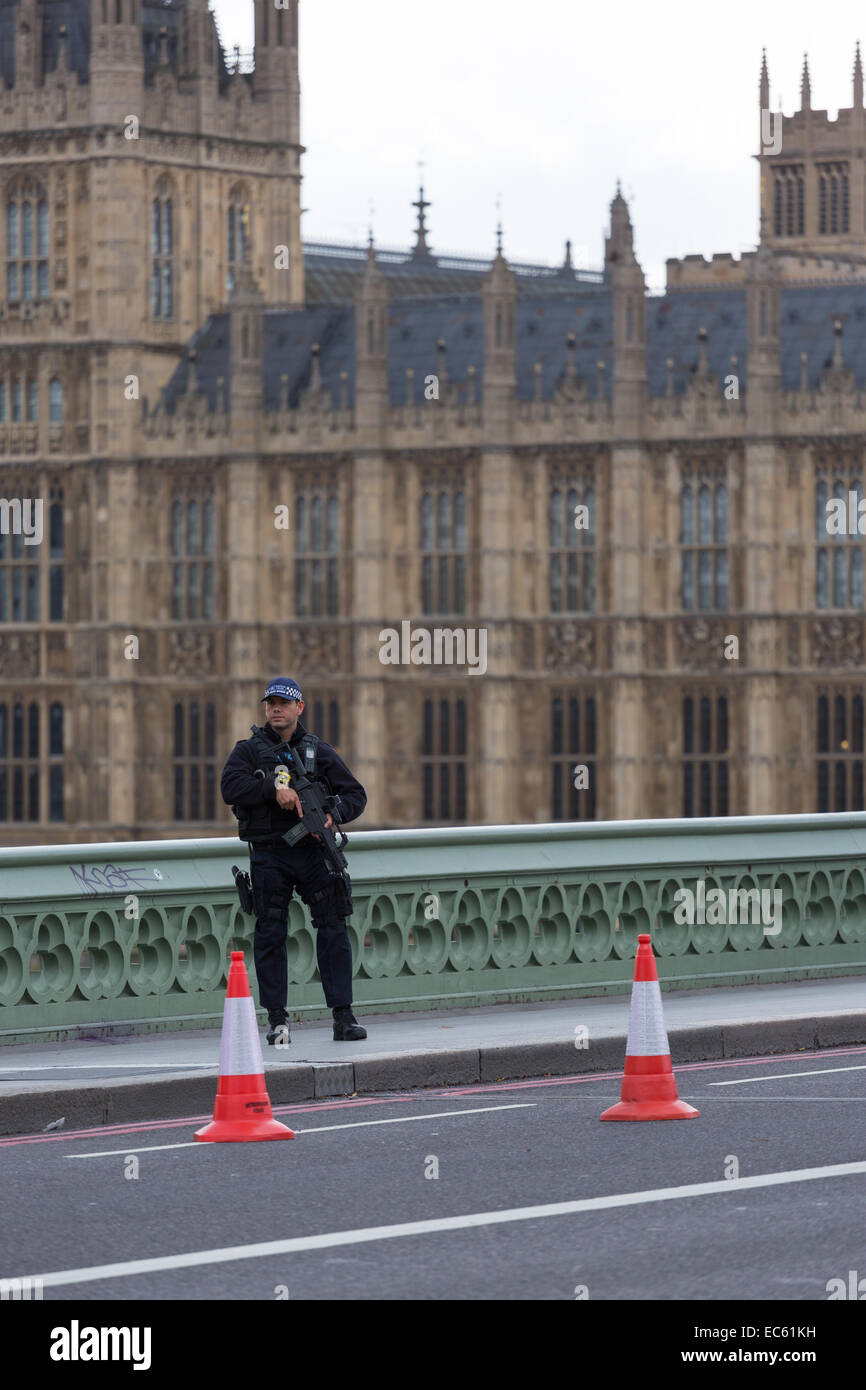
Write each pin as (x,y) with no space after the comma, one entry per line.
(649,1089)
(243,1110)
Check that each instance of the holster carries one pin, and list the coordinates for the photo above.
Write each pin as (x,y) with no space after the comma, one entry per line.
(338,895)
(245,890)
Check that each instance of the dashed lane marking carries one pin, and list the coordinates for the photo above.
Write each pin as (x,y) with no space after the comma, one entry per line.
(784,1076)
(321,1129)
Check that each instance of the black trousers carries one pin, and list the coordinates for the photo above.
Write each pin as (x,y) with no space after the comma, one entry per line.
(276,873)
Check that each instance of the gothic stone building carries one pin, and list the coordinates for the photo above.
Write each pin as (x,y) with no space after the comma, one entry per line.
(255,456)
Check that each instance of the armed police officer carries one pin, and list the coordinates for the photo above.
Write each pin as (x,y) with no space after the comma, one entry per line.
(257,784)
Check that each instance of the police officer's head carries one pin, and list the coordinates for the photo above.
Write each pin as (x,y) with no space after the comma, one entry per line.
(284,705)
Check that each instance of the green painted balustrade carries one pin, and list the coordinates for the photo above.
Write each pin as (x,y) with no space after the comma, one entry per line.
(140,933)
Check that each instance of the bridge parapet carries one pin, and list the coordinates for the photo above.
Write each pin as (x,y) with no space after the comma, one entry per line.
(138,935)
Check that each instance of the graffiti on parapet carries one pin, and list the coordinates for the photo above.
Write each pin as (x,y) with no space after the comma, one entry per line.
(110,878)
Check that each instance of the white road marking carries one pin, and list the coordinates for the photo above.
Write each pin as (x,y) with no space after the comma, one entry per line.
(106,1066)
(785,1076)
(265,1249)
(152,1149)
(322,1129)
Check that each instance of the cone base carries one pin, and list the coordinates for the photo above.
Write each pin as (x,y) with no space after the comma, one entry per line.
(650,1110)
(242,1131)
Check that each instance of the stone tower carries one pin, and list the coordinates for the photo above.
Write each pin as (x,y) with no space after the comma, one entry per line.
(812,174)
(143,178)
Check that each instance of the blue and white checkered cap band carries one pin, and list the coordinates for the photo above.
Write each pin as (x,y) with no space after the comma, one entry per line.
(287,689)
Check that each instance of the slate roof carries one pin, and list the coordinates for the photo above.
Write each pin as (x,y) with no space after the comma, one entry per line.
(75,14)
(332,272)
(672,325)
(7,40)
(806,325)
(543,323)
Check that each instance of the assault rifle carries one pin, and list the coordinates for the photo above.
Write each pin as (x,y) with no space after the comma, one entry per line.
(316,804)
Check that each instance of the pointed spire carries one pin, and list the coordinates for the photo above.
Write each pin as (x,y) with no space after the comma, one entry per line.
(567,265)
(372,271)
(805,86)
(764,96)
(619,246)
(858,78)
(62,52)
(499,238)
(421,251)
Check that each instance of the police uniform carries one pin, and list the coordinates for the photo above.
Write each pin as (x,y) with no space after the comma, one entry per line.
(277,870)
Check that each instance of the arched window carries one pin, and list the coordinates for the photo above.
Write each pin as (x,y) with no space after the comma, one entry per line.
(238,232)
(833,199)
(572,744)
(839,750)
(194,761)
(56,611)
(162,277)
(193,545)
(571,546)
(839,555)
(443,533)
(704,545)
(27,243)
(443,760)
(705,754)
(317,550)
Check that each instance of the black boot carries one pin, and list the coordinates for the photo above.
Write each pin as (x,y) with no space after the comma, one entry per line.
(279,1032)
(346,1026)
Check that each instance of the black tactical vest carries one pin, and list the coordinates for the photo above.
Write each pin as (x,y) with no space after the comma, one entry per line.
(267,819)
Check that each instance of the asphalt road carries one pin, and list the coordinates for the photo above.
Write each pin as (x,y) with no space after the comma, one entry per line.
(70,1201)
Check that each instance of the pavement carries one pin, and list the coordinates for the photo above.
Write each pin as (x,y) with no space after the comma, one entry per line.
(123,1079)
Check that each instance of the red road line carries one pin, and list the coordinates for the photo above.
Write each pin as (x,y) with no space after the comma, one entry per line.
(312,1107)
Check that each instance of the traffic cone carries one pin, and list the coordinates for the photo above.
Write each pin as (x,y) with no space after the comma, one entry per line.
(649,1089)
(242,1111)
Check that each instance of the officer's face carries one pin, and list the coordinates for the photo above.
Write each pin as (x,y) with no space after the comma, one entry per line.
(283,715)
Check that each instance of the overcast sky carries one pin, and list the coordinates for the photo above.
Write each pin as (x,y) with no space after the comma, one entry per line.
(546,105)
